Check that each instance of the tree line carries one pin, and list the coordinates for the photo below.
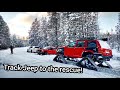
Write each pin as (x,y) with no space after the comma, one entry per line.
(59,28)
(114,38)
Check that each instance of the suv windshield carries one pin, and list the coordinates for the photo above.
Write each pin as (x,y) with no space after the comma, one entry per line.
(72,44)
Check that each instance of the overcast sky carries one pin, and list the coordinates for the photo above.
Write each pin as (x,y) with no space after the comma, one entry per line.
(20,22)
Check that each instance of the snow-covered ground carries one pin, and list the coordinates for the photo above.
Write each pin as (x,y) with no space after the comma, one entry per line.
(21,57)
(116,55)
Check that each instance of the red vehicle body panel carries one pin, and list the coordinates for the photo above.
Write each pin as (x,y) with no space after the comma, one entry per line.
(102,51)
(48,51)
(51,52)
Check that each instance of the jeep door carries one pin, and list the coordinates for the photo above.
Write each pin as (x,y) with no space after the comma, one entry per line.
(69,50)
(92,45)
(79,49)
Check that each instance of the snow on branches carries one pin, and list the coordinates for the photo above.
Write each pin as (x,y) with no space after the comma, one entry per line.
(4,34)
(58,28)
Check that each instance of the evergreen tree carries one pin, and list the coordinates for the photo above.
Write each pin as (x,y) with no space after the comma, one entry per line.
(4,34)
(33,33)
(62,27)
(16,41)
(43,32)
(54,18)
(76,25)
(118,32)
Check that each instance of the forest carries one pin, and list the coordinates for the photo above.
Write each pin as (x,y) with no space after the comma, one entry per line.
(59,28)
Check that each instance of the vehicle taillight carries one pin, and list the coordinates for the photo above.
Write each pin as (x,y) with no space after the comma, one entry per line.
(107,51)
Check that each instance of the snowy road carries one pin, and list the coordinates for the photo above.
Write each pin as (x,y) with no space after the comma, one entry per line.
(21,57)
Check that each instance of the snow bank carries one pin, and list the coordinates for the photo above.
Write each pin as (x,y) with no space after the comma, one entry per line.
(115,53)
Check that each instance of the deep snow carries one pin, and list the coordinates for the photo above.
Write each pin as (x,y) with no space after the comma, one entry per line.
(21,57)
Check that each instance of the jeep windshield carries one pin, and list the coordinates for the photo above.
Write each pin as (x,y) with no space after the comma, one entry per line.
(72,44)
(104,44)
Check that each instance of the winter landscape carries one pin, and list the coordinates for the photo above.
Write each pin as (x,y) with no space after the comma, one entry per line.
(56,29)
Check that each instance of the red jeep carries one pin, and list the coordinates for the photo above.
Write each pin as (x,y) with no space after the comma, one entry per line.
(83,48)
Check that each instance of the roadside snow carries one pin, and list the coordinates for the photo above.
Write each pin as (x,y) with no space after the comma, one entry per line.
(115,53)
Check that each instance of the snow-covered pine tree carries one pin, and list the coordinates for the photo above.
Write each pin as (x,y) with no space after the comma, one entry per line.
(63,28)
(118,32)
(4,34)
(89,24)
(50,35)
(20,43)
(73,25)
(110,38)
(16,41)
(43,33)
(33,33)
(94,27)
(76,25)
(54,25)
(69,26)
(80,24)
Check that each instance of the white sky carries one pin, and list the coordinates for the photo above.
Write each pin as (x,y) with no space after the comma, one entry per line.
(20,22)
